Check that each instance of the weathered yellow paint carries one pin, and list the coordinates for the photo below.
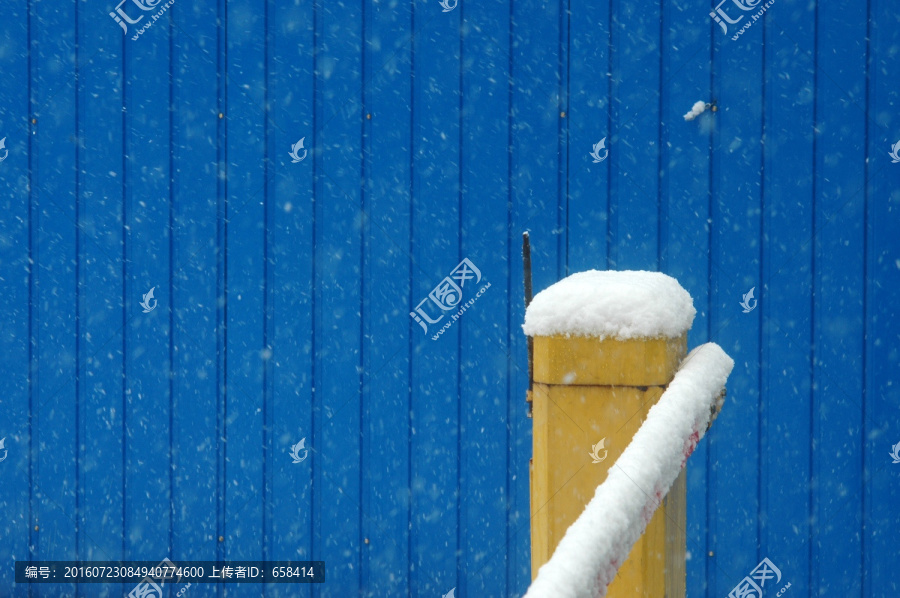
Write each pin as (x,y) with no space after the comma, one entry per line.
(676,537)
(586,390)
(590,361)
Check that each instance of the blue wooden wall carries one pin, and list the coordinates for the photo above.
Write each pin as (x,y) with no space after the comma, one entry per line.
(284,289)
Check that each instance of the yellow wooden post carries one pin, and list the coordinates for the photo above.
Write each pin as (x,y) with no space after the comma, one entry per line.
(587,390)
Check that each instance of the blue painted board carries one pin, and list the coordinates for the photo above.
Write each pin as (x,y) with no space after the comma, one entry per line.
(338,238)
(587,122)
(15,247)
(484,467)
(388,328)
(196,436)
(101,309)
(838,315)
(735,266)
(147,219)
(788,205)
(635,36)
(435,247)
(244,434)
(289,301)
(882,396)
(55,351)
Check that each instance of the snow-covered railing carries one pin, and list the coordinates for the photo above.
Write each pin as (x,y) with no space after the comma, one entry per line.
(594,547)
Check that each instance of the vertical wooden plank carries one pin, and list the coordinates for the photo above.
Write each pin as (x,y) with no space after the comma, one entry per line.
(485,326)
(195,300)
(534,176)
(245,436)
(785,297)
(735,264)
(587,120)
(289,323)
(388,328)
(684,228)
(434,550)
(676,537)
(338,221)
(882,391)
(838,278)
(101,309)
(634,138)
(535,136)
(16,278)
(147,412)
(562,143)
(55,294)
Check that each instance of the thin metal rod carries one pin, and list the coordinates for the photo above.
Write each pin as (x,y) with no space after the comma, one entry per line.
(526,262)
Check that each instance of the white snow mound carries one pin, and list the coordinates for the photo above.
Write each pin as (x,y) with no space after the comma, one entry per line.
(696,110)
(597,544)
(620,305)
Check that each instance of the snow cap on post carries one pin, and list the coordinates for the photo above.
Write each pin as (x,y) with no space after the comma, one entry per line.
(608,304)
